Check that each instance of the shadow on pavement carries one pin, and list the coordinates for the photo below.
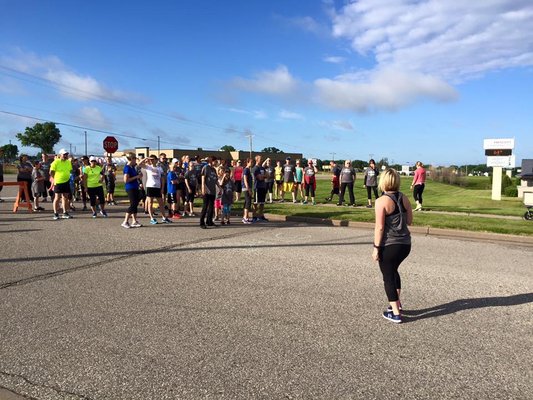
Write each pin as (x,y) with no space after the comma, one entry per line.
(467,304)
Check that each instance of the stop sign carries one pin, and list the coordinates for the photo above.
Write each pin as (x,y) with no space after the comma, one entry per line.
(110,144)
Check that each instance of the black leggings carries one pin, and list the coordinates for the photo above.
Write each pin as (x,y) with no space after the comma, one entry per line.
(417,192)
(369,192)
(390,258)
(208,209)
(133,197)
(350,192)
(310,188)
(94,193)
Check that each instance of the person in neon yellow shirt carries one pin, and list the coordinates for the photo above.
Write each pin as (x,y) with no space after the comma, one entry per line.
(93,176)
(60,173)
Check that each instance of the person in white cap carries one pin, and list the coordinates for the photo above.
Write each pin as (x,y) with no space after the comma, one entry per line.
(60,172)
(93,176)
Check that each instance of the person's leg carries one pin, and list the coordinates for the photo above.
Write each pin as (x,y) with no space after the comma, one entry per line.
(210,209)
(313,190)
(369,195)
(101,200)
(92,200)
(375,189)
(149,206)
(65,201)
(342,191)
(204,210)
(350,192)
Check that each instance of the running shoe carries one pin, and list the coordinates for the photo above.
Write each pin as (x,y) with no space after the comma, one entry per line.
(66,216)
(246,221)
(314,203)
(369,206)
(304,202)
(153,221)
(125,225)
(56,216)
(103,213)
(397,319)
(135,225)
(165,220)
(176,216)
(94,215)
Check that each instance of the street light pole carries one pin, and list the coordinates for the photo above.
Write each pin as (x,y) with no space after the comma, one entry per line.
(251,147)
(85,143)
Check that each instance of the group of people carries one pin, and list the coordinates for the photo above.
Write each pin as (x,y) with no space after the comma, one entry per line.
(174,186)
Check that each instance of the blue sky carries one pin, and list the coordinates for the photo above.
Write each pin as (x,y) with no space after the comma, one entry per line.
(407,80)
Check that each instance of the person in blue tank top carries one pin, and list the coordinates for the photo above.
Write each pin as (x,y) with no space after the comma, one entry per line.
(392,239)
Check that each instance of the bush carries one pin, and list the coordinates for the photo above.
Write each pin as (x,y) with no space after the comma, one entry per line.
(510,191)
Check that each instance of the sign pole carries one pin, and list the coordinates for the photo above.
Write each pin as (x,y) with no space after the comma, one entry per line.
(497,183)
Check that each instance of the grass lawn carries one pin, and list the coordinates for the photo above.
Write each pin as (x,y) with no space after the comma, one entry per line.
(473,199)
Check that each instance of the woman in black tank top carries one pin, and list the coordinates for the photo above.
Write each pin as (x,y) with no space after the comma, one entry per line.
(392,239)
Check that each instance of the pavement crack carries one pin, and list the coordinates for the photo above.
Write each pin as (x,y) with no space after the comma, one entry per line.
(33,384)
(122,256)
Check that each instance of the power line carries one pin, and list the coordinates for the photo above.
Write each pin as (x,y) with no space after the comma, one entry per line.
(85,128)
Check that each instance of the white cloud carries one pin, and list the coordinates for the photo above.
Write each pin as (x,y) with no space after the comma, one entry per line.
(334,59)
(276,82)
(449,39)
(382,89)
(91,116)
(290,115)
(69,83)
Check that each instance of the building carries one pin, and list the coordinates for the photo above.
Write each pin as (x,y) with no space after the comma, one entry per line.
(142,152)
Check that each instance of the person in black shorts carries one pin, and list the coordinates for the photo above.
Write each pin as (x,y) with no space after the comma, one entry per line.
(260,187)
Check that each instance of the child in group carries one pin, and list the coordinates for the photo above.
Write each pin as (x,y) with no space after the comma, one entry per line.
(37,185)
(218,198)
(110,179)
(172,191)
(228,190)
(191,182)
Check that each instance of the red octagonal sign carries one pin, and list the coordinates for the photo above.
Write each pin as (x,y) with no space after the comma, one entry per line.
(110,144)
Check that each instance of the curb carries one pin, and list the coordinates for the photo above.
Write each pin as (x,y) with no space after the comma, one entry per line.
(417,230)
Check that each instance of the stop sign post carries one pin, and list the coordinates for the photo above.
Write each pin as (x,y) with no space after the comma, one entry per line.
(110,144)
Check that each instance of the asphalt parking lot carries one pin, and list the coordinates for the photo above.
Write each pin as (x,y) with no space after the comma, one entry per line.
(278,310)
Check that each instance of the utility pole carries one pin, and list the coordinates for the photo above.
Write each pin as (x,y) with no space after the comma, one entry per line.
(250,136)
(332,156)
(158,146)
(85,143)
(70,148)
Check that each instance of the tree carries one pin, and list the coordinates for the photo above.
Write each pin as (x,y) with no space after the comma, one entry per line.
(273,150)
(9,151)
(43,136)
(227,147)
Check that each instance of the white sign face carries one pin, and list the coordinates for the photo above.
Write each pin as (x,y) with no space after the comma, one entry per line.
(405,169)
(504,161)
(497,144)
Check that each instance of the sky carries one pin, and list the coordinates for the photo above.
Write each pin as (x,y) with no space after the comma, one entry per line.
(407,80)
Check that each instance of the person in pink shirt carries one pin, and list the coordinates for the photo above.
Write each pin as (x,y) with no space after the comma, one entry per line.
(237,179)
(418,185)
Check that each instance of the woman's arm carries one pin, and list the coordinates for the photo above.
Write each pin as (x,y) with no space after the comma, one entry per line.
(379,227)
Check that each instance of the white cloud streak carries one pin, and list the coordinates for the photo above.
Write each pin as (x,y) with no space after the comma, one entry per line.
(277,82)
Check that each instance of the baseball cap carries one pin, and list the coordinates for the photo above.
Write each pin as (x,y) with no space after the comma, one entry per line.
(92,158)
(174,160)
(63,151)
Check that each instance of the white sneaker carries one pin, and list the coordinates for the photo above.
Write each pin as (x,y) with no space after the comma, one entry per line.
(125,225)
(135,225)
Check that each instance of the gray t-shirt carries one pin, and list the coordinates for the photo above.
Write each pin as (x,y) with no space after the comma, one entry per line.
(210,180)
(347,175)
(288,173)
(371,177)
(227,192)
(191,177)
